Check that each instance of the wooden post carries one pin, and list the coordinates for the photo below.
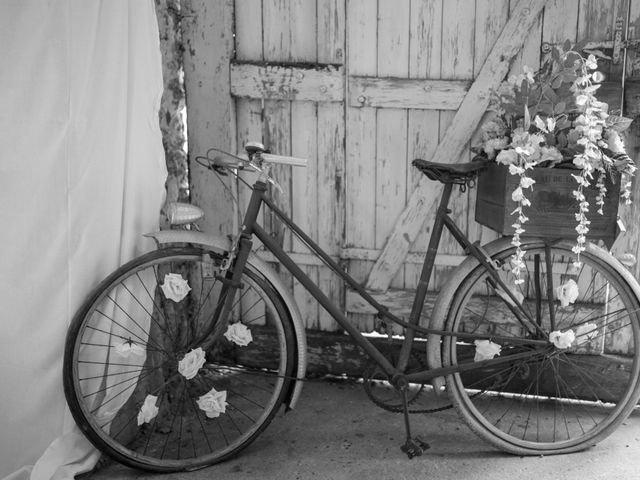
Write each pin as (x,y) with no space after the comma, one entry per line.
(208,39)
(458,134)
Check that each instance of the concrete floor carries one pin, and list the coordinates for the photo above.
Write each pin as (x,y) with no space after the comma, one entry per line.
(337,433)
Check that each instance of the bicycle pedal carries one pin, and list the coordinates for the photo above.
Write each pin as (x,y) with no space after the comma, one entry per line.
(414,447)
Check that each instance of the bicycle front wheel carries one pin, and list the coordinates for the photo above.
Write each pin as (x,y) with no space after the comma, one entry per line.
(562,396)
(140,385)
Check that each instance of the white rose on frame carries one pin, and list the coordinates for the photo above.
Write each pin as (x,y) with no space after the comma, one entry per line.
(239,334)
(149,410)
(568,293)
(213,403)
(175,287)
(192,362)
(486,350)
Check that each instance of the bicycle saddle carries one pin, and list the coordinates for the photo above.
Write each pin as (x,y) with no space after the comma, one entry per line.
(450,172)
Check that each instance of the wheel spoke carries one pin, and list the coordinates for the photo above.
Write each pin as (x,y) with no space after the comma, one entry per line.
(562,399)
(139,404)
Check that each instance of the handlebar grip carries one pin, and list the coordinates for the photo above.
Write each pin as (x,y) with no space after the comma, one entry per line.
(284,160)
(223,162)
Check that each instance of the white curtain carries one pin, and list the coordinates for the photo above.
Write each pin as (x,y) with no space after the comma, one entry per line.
(81,178)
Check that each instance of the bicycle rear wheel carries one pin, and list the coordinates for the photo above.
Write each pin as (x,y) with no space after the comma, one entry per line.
(564,396)
(138,382)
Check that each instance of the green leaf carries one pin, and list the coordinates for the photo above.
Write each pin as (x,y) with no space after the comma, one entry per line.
(567,45)
(527,118)
(557,82)
(561,140)
(550,94)
(559,108)
(547,109)
(618,123)
(571,59)
(563,124)
(550,139)
(578,47)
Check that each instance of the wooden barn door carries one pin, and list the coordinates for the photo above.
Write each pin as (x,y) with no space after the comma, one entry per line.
(361,88)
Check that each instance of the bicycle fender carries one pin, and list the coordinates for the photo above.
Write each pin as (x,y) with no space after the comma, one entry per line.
(298,325)
(213,242)
(440,309)
(221,244)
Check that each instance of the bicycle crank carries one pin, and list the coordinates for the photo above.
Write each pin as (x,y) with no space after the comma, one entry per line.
(378,388)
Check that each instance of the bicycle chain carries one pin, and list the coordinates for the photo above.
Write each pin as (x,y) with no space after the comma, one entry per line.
(368,381)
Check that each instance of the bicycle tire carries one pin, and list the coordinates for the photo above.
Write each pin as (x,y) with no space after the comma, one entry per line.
(558,400)
(130,386)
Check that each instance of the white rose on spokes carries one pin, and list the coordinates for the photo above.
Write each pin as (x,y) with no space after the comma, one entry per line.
(568,293)
(486,350)
(239,334)
(175,287)
(562,339)
(149,410)
(128,348)
(213,403)
(191,363)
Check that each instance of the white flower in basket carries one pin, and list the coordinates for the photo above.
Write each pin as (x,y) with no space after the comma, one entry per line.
(552,118)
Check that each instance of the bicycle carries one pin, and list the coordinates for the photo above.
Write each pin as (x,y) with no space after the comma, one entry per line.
(181,357)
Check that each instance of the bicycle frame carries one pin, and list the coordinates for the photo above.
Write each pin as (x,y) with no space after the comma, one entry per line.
(443,220)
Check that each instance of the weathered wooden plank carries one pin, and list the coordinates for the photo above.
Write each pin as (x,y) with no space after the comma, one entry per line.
(423,127)
(413,257)
(303,30)
(285,82)
(249,112)
(629,242)
(331,47)
(277,47)
(331,31)
(555,27)
(305,191)
(459,133)
(330,198)
(530,53)
(207,33)
(458,45)
(491,16)
(248,30)
(249,128)
(399,302)
(391,144)
(360,143)
(406,93)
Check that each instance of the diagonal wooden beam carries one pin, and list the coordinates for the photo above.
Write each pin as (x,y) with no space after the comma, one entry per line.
(462,127)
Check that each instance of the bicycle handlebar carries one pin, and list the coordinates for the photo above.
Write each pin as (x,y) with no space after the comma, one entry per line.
(255,156)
